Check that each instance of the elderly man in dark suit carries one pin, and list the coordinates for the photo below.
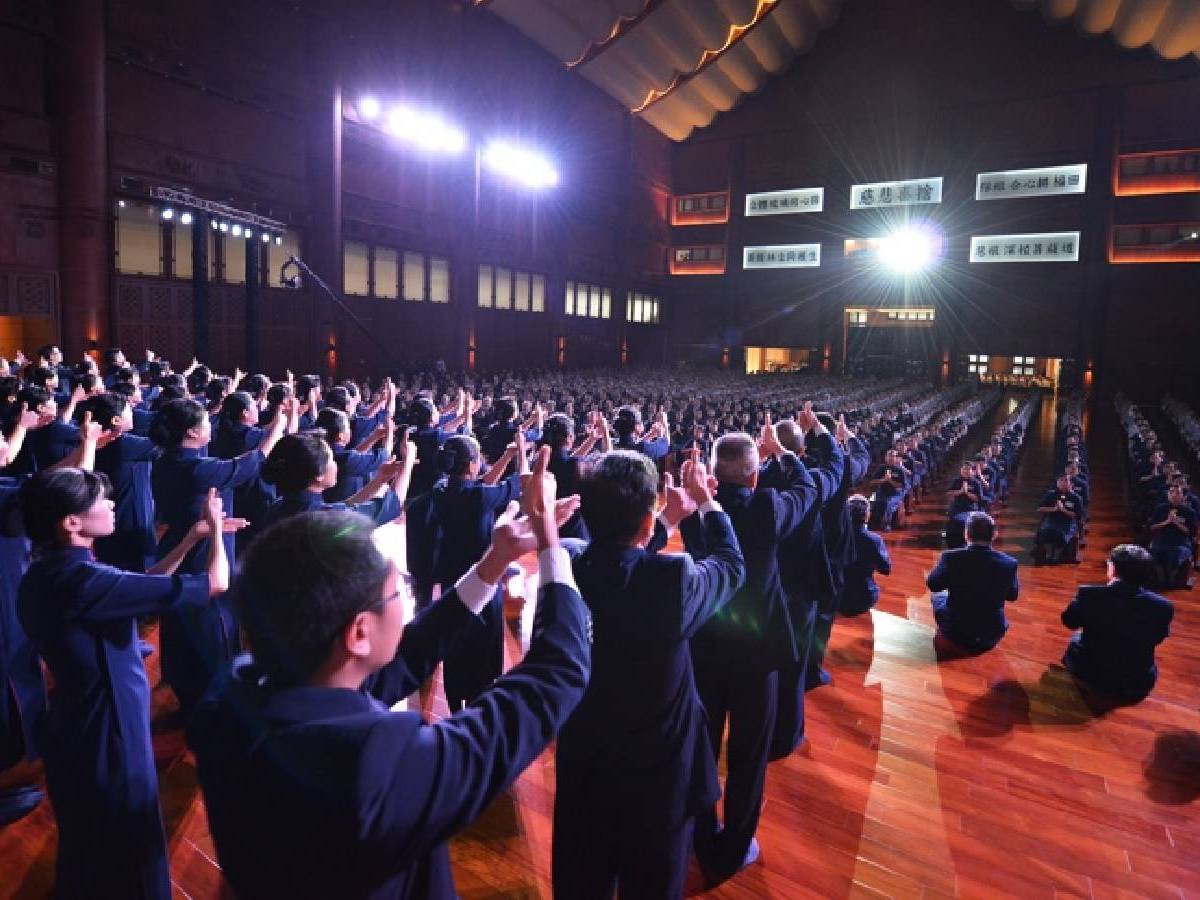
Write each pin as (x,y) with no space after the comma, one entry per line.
(634,762)
(1120,625)
(313,787)
(971,586)
(740,651)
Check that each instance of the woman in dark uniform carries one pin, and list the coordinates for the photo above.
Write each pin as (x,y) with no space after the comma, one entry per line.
(81,616)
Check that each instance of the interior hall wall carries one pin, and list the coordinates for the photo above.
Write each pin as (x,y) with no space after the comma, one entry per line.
(222,102)
(28,189)
(963,88)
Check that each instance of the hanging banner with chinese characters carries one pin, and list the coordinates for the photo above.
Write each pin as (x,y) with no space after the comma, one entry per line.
(886,194)
(778,203)
(782,256)
(1031,182)
(1058,246)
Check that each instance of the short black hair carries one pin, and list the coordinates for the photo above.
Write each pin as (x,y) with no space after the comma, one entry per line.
(105,407)
(421,413)
(234,407)
(457,454)
(51,495)
(197,382)
(616,492)
(558,430)
(33,397)
(39,375)
(337,398)
(174,420)
(299,585)
(111,354)
(1132,563)
(981,528)
(296,461)
(255,385)
(332,423)
(506,408)
(627,420)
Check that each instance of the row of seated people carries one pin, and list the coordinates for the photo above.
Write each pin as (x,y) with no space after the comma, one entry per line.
(923,455)
(983,478)
(122,526)
(972,582)
(1061,532)
(901,476)
(1117,625)
(1166,512)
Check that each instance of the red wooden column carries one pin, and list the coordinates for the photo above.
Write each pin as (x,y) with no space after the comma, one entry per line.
(83,240)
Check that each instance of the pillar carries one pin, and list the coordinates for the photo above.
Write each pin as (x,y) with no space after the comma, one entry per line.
(83,235)
(253,293)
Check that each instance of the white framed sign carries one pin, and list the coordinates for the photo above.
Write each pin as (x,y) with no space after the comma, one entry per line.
(886,194)
(1016,183)
(1056,246)
(782,256)
(780,203)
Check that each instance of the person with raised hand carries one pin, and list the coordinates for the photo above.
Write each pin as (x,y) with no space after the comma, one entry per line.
(634,763)
(195,643)
(303,725)
(81,616)
(739,653)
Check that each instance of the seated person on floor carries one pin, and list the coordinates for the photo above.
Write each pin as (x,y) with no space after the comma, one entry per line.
(859,590)
(1120,625)
(891,486)
(1173,532)
(971,586)
(965,497)
(1058,531)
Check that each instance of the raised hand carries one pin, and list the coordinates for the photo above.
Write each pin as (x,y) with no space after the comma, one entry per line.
(228,526)
(213,511)
(539,487)
(843,432)
(28,418)
(679,505)
(695,479)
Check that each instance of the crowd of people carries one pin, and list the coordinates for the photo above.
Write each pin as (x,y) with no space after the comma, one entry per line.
(277,531)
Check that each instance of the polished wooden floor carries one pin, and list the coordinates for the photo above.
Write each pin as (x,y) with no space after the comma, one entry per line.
(989,776)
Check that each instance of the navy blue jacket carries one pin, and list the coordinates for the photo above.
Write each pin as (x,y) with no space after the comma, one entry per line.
(753,632)
(1121,625)
(640,730)
(318,792)
(465,512)
(22,689)
(978,581)
(82,618)
(839,530)
(860,592)
(565,469)
(126,462)
(804,563)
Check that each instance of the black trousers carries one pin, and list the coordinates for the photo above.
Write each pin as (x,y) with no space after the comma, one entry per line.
(602,845)
(790,680)
(747,701)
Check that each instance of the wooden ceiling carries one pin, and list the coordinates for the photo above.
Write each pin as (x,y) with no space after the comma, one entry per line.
(677,63)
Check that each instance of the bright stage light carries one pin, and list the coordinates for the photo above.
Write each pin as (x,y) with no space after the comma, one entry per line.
(224,226)
(526,166)
(249,234)
(266,238)
(186,218)
(237,230)
(168,214)
(909,250)
(214,223)
(427,131)
(368,108)
(278,241)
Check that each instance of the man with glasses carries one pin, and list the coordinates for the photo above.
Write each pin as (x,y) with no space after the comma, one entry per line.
(313,787)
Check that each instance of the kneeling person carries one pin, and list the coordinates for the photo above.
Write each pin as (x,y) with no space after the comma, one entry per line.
(971,586)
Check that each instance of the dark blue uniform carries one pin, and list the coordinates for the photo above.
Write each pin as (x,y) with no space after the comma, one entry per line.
(379,509)
(1170,547)
(465,512)
(860,592)
(252,499)
(354,470)
(82,617)
(316,792)
(977,582)
(1057,530)
(739,652)
(1120,624)
(22,690)
(126,462)
(196,642)
(634,763)
(565,469)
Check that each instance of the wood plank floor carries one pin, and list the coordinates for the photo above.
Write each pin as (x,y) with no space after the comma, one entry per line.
(988,776)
